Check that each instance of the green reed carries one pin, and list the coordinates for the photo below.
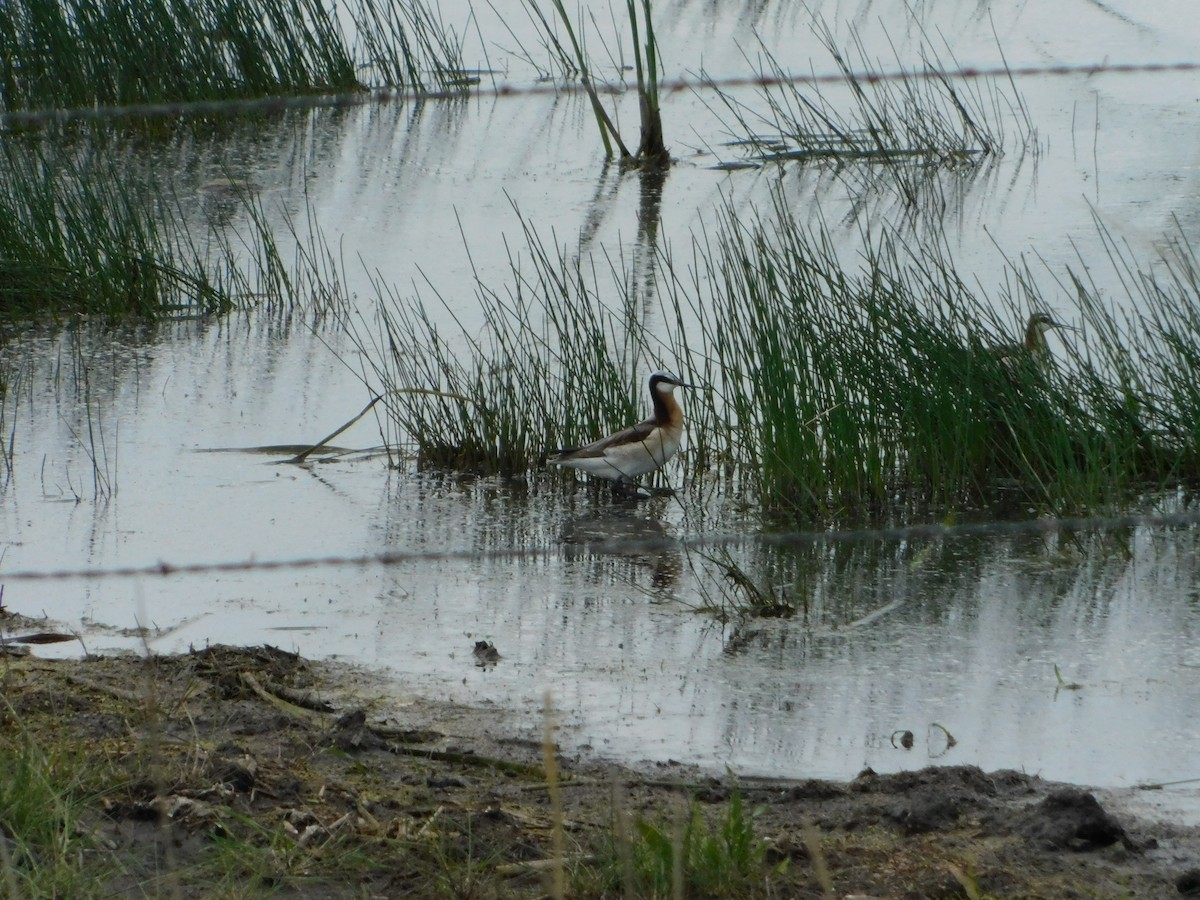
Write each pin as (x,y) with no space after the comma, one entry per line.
(553,365)
(76,236)
(408,45)
(79,234)
(46,849)
(691,856)
(863,389)
(848,390)
(73,53)
(575,60)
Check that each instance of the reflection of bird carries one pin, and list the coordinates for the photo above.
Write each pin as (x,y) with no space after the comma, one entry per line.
(620,539)
(1035,346)
(639,449)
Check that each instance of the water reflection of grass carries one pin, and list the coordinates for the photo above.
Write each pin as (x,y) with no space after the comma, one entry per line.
(861,393)
(72,53)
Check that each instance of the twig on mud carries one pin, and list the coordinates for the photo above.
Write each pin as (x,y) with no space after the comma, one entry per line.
(1159,785)
(558,870)
(573,782)
(131,697)
(305,699)
(541,865)
(407,735)
(812,841)
(433,818)
(280,703)
(469,759)
(365,815)
(41,637)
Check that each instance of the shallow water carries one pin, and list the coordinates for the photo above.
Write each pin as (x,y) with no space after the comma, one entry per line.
(956,636)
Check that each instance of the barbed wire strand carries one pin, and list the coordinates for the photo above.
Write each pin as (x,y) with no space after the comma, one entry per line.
(796,539)
(237,106)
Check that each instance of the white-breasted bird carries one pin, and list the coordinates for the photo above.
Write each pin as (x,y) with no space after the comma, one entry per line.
(641,448)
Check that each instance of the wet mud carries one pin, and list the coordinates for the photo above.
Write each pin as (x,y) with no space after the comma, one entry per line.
(255,772)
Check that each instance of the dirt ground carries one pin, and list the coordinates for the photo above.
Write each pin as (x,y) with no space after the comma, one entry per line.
(253,772)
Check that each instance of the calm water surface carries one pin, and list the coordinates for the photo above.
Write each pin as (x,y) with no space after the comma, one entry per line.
(115,436)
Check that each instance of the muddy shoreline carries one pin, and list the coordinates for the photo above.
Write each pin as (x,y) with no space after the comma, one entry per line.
(253,772)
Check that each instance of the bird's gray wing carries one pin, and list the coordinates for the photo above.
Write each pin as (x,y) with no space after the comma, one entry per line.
(631,435)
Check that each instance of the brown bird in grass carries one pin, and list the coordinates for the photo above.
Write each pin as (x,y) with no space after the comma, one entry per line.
(1035,346)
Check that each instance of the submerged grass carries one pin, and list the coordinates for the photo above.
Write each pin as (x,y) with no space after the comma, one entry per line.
(865,393)
(78,53)
(901,131)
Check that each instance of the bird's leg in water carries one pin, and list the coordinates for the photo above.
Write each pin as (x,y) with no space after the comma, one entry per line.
(627,487)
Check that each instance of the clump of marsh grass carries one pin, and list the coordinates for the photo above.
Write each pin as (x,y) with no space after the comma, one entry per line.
(78,236)
(691,857)
(870,391)
(845,390)
(1141,358)
(651,148)
(77,53)
(827,584)
(43,842)
(904,128)
(736,596)
(408,45)
(646,60)
(553,365)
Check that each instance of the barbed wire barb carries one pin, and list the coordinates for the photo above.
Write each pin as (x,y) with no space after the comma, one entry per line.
(929,532)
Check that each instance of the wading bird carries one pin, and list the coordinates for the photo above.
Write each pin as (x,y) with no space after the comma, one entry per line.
(1023,404)
(1035,346)
(641,448)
